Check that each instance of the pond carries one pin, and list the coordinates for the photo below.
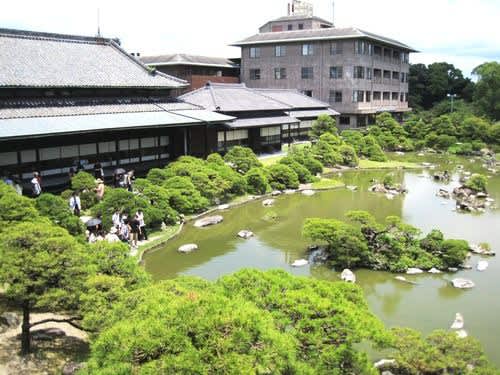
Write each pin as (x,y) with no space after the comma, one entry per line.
(429,305)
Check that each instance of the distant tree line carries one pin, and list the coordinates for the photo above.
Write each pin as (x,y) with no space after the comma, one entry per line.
(430,85)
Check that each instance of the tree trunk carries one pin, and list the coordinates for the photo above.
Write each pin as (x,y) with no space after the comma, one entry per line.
(25,330)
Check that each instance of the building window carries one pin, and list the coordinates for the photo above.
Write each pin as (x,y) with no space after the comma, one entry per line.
(406,57)
(279,51)
(359,72)
(358,96)
(376,95)
(369,73)
(335,96)
(406,97)
(307,93)
(368,96)
(254,74)
(386,95)
(387,74)
(336,48)
(362,48)
(270,135)
(402,77)
(395,75)
(336,72)
(301,26)
(345,120)
(290,27)
(307,72)
(396,55)
(377,51)
(387,53)
(279,73)
(395,96)
(401,97)
(254,52)
(307,49)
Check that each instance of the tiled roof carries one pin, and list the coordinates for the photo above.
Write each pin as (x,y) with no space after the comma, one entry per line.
(58,125)
(293,98)
(318,34)
(184,59)
(77,110)
(34,59)
(231,98)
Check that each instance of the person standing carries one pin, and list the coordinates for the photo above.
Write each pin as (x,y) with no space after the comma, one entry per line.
(98,171)
(36,186)
(142,225)
(99,190)
(116,219)
(75,204)
(128,177)
(134,231)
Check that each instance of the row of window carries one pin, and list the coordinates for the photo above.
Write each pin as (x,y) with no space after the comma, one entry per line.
(360,96)
(336,48)
(81,151)
(337,72)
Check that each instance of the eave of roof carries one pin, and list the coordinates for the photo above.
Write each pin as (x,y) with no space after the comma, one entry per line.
(301,36)
(167,63)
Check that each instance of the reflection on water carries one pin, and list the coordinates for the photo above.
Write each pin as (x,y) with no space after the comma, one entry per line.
(430,304)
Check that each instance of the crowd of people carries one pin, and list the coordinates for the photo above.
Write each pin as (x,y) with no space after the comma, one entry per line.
(125,228)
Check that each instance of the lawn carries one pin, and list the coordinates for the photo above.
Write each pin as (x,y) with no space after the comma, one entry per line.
(391,164)
(327,183)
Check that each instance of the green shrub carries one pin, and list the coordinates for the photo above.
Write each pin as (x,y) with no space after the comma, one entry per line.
(304,156)
(349,156)
(159,198)
(215,158)
(282,177)
(322,125)
(388,180)
(184,198)
(477,182)
(157,176)
(16,208)
(242,159)
(372,150)
(58,211)
(327,154)
(83,181)
(302,172)
(256,181)
(6,189)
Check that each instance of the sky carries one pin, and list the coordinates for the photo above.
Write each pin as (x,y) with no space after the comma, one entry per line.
(465,33)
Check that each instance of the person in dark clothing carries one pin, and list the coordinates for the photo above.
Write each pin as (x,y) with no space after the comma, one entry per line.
(135,230)
(98,171)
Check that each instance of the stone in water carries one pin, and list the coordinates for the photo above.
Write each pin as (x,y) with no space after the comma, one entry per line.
(300,263)
(188,248)
(348,275)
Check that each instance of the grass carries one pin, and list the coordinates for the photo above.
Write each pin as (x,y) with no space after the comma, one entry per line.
(270,160)
(391,164)
(327,183)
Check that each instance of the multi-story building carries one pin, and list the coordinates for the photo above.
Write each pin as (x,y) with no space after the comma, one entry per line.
(195,70)
(359,73)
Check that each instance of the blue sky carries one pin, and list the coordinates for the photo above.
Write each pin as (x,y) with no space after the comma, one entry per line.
(462,32)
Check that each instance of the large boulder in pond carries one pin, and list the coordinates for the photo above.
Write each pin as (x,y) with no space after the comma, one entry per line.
(348,275)
(300,263)
(244,233)
(462,283)
(268,202)
(206,221)
(187,248)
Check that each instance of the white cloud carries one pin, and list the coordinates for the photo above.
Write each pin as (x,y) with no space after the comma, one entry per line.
(461,32)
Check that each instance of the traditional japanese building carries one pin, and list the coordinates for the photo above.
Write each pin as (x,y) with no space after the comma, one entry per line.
(70,100)
(265,118)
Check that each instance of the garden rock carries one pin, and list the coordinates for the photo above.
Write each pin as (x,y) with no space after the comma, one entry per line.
(462,283)
(482,265)
(206,221)
(413,271)
(188,248)
(245,234)
(300,263)
(308,192)
(458,323)
(348,275)
(268,202)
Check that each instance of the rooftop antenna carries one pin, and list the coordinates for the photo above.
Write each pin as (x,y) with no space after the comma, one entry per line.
(98,24)
(333,13)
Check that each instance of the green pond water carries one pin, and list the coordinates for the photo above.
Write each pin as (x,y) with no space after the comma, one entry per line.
(430,305)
